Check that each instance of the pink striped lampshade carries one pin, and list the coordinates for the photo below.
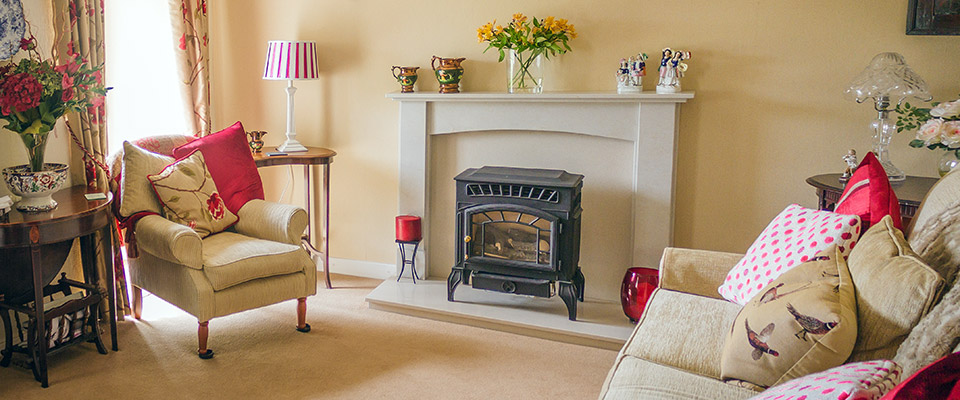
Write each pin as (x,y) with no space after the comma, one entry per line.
(290,60)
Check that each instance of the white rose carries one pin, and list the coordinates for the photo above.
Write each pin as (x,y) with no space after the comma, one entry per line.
(929,132)
(951,133)
(946,110)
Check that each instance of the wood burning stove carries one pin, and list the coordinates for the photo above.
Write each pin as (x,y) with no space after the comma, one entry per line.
(518,231)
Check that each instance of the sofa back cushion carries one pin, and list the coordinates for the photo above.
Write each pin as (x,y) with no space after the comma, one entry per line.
(136,194)
(895,289)
(804,322)
(934,232)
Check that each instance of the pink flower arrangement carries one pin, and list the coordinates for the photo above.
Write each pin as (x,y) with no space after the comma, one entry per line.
(35,93)
(937,127)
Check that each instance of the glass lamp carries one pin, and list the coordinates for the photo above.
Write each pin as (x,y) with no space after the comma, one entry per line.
(887,77)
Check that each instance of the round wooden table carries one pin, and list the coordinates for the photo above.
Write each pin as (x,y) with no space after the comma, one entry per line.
(42,241)
(313,156)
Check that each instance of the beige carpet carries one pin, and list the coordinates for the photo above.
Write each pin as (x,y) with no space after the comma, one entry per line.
(352,353)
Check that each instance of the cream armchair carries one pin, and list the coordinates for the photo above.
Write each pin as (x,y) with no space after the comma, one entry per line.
(257,262)
(260,264)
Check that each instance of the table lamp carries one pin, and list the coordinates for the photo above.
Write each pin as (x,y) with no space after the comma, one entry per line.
(887,77)
(290,60)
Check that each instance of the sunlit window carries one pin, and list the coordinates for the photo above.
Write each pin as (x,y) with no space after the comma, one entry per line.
(140,66)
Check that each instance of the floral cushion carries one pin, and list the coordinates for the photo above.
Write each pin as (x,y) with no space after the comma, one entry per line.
(793,237)
(865,380)
(868,194)
(190,197)
(804,322)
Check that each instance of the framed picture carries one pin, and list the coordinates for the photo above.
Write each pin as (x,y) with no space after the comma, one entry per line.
(933,17)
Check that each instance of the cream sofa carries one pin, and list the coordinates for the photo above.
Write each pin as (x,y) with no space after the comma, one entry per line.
(675,350)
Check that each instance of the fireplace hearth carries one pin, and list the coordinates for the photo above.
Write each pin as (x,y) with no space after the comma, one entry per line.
(518,231)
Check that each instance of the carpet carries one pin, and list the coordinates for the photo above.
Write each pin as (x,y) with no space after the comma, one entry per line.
(353,352)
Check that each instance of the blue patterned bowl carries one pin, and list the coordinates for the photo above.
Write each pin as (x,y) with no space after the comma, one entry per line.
(35,188)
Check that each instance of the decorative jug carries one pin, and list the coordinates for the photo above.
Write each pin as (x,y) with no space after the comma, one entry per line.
(256,140)
(407,77)
(448,74)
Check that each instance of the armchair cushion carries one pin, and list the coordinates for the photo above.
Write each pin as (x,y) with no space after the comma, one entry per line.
(136,195)
(190,197)
(230,259)
(169,241)
(272,221)
(230,163)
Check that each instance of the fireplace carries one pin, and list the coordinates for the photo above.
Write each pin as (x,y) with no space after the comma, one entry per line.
(518,231)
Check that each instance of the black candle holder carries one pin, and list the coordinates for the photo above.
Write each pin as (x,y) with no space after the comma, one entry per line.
(411,261)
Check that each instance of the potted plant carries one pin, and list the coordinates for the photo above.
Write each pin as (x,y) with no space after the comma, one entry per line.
(34,94)
(526,42)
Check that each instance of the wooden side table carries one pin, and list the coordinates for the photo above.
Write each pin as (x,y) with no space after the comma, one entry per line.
(42,240)
(313,156)
(910,192)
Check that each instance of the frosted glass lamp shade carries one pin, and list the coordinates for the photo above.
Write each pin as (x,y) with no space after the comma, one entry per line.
(888,75)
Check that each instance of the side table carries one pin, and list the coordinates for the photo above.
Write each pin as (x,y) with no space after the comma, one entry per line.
(910,192)
(313,156)
(42,241)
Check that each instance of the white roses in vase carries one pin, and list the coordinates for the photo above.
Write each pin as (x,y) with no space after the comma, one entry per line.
(937,127)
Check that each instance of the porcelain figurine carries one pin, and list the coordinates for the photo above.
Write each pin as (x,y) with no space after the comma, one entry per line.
(851,160)
(448,73)
(630,74)
(407,77)
(671,70)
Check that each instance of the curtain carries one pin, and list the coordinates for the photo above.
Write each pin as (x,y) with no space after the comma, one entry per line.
(189,18)
(79,30)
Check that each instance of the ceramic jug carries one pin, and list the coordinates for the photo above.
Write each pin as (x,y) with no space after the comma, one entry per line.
(407,77)
(448,73)
(256,140)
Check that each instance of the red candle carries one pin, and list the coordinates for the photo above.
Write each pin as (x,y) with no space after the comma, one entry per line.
(408,228)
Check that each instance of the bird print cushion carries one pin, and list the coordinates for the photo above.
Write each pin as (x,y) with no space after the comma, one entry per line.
(804,322)
(865,380)
(189,196)
(796,235)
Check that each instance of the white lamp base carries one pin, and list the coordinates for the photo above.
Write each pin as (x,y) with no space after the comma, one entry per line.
(291,146)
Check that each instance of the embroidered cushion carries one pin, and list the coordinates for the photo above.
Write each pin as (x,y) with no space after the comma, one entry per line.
(189,196)
(865,380)
(804,322)
(868,194)
(230,163)
(793,237)
(895,289)
(136,195)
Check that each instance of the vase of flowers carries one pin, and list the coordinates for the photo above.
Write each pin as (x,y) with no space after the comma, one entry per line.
(34,94)
(527,42)
(937,127)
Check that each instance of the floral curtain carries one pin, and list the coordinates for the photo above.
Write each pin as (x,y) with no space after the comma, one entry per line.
(79,29)
(189,18)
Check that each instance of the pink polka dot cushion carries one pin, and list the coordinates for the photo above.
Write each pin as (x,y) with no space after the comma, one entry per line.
(793,237)
(865,380)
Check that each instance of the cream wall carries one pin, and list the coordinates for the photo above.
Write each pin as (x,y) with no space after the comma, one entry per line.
(768,77)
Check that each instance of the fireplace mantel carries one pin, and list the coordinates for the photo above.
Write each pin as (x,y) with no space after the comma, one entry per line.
(646,122)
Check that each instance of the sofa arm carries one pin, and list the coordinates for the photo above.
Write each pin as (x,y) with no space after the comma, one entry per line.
(169,240)
(272,221)
(698,272)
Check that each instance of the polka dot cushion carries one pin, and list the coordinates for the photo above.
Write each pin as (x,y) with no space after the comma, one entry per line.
(793,237)
(866,380)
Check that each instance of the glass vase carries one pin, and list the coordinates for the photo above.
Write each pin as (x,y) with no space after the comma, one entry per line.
(524,72)
(948,161)
(36,144)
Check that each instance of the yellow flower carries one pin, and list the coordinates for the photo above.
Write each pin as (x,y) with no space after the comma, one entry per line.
(519,18)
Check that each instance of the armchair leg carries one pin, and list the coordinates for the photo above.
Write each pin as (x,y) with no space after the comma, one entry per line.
(202,332)
(302,324)
(137,302)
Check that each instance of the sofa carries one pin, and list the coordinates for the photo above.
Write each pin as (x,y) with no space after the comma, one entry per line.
(675,351)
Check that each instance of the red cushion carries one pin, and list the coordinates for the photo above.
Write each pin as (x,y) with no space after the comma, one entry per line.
(230,164)
(935,381)
(869,195)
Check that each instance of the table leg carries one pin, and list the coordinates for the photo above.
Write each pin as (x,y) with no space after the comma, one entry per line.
(39,353)
(107,247)
(326,223)
(309,206)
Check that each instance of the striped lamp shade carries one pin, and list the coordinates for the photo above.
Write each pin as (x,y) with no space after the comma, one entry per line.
(290,60)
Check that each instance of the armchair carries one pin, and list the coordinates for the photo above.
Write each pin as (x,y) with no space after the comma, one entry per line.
(257,262)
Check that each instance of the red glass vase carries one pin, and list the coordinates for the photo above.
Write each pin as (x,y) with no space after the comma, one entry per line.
(638,285)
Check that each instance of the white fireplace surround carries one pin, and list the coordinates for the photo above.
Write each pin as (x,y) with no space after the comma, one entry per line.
(642,128)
